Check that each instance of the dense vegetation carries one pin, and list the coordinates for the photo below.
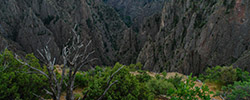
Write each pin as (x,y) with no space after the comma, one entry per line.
(142,86)
(233,83)
(127,86)
(19,82)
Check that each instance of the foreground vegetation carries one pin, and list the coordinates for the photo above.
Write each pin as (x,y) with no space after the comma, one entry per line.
(18,81)
(233,83)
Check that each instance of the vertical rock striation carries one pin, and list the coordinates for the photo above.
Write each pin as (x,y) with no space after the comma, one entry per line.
(193,35)
(174,35)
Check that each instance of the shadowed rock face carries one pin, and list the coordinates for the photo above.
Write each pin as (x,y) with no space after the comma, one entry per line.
(32,24)
(174,35)
(134,12)
(195,35)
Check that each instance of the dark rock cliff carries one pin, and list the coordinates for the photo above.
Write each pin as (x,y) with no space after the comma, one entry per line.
(193,35)
(32,24)
(174,35)
(134,12)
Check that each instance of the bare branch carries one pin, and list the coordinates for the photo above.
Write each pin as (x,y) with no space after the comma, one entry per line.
(5,67)
(48,41)
(85,58)
(74,29)
(86,47)
(76,56)
(65,83)
(5,64)
(47,53)
(85,94)
(108,83)
(110,78)
(38,96)
(48,92)
(100,98)
(24,63)
(222,97)
(41,54)
(73,58)
(86,63)
(91,60)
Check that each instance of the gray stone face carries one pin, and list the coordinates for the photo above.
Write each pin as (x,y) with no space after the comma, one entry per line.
(174,35)
(32,23)
(134,12)
(193,36)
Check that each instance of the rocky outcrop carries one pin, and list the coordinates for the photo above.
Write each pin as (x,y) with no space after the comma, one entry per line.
(174,35)
(33,24)
(134,12)
(194,35)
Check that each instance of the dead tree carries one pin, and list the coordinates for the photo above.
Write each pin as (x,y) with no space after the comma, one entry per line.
(55,84)
(75,56)
(75,59)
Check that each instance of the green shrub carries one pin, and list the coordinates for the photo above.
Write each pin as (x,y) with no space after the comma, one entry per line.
(135,67)
(176,80)
(81,79)
(242,75)
(228,75)
(211,74)
(143,77)
(141,71)
(164,73)
(160,86)
(158,77)
(222,75)
(188,91)
(237,91)
(127,86)
(17,81)
(77,96)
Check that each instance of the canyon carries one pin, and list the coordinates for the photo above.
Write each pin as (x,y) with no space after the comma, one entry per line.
(183,36)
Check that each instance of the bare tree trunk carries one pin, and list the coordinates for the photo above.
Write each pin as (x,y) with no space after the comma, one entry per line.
(73,59)
(69,95)
(55,86)
(70,87)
